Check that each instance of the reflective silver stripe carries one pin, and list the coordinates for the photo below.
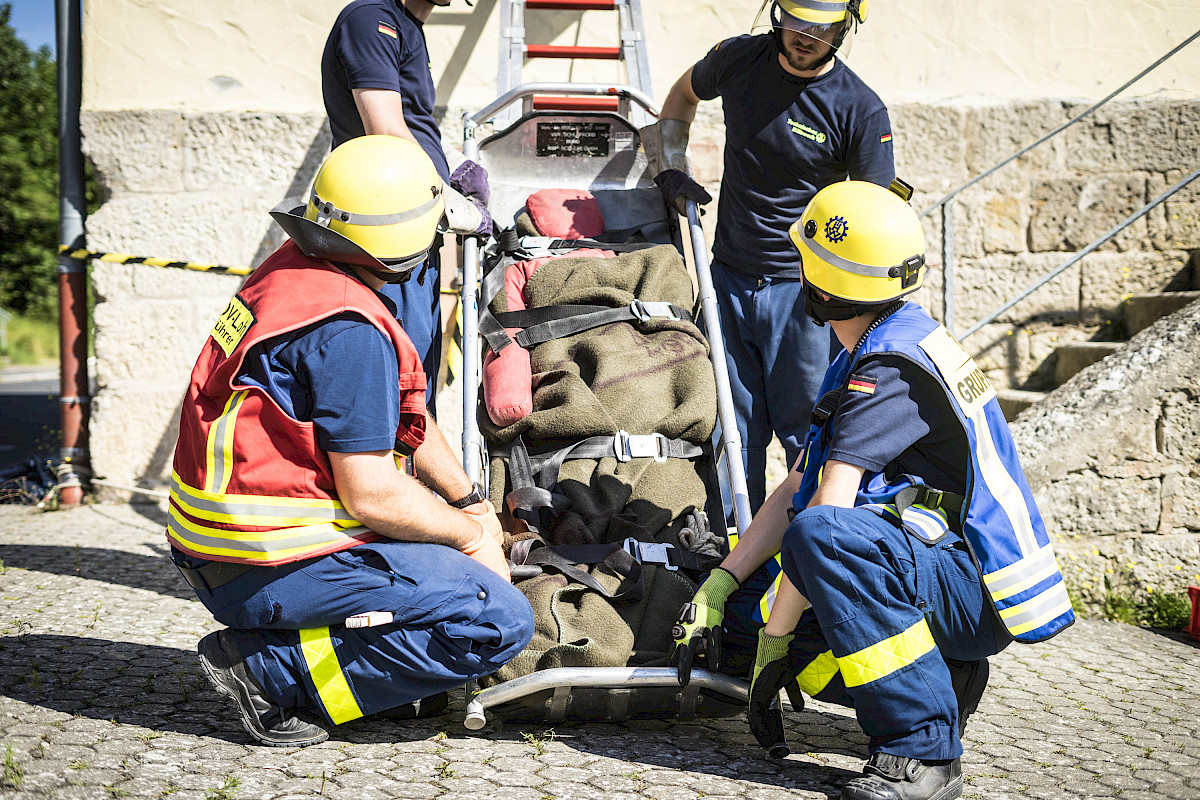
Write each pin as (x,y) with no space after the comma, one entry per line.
(222,431)
(255,510)
(327,210)
(234,542)
(817,5)
(1036,612)
(932,522)
(845,264)
(1041,561)
(1002,486)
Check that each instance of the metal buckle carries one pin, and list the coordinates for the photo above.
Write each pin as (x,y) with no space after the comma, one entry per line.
(645,312)
(650,552)
(628,446)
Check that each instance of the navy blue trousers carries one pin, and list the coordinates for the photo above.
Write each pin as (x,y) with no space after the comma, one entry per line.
(418,310)
(891,609)
(777,358)
(455,620)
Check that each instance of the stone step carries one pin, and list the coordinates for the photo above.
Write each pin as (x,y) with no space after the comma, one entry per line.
(1140,311)
(1075,357)
(1014,401)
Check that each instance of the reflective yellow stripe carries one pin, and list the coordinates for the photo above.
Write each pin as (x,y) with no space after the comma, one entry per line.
(1016,578)
(816,676)
(767,602)
(326,674)
(218,460)
(259,510)
(1037,611)
(882,659)
(274,545)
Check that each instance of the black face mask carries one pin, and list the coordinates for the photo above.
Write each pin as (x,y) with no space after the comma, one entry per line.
(821,311)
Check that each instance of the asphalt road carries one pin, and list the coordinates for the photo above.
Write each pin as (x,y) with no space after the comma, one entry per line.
(29,414)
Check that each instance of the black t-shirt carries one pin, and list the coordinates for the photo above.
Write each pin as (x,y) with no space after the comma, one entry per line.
(378,44)
(785,138)
(894,413)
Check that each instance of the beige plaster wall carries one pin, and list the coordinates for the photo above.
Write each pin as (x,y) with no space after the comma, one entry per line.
(263,56)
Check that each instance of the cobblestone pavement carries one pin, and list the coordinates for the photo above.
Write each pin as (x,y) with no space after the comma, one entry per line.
(101,696)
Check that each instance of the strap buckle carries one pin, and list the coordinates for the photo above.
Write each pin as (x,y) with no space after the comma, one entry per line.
(628,446)
(658,553)
(644,312)
(933,497)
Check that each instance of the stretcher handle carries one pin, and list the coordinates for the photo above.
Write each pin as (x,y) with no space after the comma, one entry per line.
(526,89)
(731,440)
(472,442)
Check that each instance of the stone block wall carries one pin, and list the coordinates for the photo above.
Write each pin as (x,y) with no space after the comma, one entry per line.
(1113,456)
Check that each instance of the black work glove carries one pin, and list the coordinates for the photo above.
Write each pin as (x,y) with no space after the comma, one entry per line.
(773,670)
(676,186)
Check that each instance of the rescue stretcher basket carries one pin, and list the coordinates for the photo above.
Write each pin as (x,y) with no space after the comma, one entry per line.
(598,151)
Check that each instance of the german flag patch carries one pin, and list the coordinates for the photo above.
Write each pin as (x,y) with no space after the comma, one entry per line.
(887,137)
(387,30)
(861,383)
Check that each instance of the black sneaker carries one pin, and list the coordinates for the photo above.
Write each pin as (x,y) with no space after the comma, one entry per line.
(265,721)
(970,679)
(889,777)
(431,706)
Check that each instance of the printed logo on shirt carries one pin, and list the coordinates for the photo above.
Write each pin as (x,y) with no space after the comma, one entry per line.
(861,383)
(232,325)
(387,30)
(885,138)
(800,129)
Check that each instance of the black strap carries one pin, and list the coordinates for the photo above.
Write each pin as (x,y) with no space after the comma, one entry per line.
(826,406)
(212,575)
(568,558)
(929,497)
(554,322)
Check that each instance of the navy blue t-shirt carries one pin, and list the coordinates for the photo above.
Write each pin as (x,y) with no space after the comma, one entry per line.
(316,375)
(785,138)
(378,44)
(894,413)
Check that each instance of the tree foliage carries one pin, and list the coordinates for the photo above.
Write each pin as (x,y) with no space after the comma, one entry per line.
(28,174)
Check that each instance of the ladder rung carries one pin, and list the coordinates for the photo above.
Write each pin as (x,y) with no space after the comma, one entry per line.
(572,5)
(550,103)
(571,51)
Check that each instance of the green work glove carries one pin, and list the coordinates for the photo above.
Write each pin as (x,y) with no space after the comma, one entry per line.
(772,671)
(699,627)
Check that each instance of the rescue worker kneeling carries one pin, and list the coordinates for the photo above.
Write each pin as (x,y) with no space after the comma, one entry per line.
(293,513)
(915,535)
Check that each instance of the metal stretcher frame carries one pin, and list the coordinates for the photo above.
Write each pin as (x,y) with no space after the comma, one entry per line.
(631,174)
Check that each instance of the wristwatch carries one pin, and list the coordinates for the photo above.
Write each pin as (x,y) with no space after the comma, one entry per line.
(474,497)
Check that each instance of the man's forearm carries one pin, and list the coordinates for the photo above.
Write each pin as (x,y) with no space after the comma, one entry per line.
(438,468)
(764,537)
(681,101)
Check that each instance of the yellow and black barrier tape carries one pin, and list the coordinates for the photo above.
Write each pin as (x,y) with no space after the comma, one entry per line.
(125,258)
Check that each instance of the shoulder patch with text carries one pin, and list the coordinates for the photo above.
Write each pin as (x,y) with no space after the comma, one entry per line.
(232,325)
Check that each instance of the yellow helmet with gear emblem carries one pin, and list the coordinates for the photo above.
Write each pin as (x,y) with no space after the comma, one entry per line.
(861,243)
(375,202)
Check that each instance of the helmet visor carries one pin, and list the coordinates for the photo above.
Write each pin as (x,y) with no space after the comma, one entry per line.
(824,27)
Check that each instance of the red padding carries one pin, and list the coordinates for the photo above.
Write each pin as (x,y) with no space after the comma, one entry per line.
(508,375)
(565,213)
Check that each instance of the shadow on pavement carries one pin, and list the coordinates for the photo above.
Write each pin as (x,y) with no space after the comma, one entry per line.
(152,573)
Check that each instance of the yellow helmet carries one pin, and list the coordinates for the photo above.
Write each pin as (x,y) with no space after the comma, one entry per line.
(860,243)
(375,202)
(821,12)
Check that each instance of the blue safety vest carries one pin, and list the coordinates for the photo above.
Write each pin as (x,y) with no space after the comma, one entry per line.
(998,517)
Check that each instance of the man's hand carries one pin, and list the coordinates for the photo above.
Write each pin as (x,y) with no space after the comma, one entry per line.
(467,200)
(699,627)
(471,180)
(487,551)
(772,672)
(483,513)
(676,187)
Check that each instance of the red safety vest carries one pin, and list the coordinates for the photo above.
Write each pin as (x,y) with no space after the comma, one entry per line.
(249,483)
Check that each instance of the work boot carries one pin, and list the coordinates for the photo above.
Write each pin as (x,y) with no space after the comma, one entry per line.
(970,679)
(265,721)
(889,777)
(424,708)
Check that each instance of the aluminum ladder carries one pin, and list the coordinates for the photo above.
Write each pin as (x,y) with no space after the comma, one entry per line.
(514,50)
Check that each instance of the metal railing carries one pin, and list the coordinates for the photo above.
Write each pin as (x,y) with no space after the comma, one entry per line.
(946,206)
